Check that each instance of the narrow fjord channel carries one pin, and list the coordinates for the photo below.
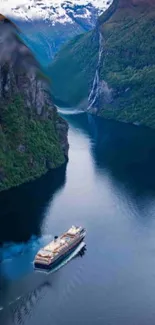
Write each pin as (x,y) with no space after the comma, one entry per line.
(108,186)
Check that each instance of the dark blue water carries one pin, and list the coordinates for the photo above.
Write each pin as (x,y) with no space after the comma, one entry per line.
(108,187)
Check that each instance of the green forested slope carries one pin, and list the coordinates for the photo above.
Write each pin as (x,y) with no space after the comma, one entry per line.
(128,63)
(73,69)
(33,138)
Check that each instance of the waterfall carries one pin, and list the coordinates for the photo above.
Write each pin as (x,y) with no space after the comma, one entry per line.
(100,90)
(95,91)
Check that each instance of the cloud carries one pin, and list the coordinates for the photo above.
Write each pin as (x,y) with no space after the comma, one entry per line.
(7,5)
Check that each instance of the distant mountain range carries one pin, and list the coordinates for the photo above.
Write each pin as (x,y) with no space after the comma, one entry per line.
(48,24)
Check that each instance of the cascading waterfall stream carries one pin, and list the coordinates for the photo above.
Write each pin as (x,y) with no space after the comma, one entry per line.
(101,93)
(95,91)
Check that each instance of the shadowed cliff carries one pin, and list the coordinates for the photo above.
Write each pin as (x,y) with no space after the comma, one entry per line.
(33,137)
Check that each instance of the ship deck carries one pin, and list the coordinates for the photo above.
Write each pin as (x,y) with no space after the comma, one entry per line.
(56,246)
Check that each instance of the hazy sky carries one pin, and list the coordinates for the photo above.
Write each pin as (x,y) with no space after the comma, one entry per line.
(6,5)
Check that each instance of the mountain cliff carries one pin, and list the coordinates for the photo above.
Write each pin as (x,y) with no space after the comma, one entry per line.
(49,24)
(112,69)
(33,138)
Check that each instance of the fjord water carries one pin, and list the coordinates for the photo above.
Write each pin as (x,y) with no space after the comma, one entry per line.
(108,186)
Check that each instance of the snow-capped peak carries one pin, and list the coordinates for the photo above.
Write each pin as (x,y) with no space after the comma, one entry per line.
(54,10)
(48,24)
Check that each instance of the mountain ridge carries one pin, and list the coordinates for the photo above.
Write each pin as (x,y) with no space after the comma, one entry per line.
(47,25)
(114,63)
(54,10)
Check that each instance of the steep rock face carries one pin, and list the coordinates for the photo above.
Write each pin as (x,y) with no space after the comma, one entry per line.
(100,91)
(33,137)
(118,68)
(124,62)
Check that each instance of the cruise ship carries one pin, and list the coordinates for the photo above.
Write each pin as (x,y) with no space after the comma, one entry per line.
(56,251)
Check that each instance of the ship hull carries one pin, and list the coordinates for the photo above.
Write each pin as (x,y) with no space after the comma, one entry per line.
(60,259)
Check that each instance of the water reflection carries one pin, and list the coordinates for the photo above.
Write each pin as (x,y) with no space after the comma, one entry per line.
(82,252)
(22,305)
(126,151)
(127,154)
(22,209)
(110,189)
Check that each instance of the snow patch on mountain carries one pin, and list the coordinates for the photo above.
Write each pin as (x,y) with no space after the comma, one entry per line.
(52,10)
(48,24)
